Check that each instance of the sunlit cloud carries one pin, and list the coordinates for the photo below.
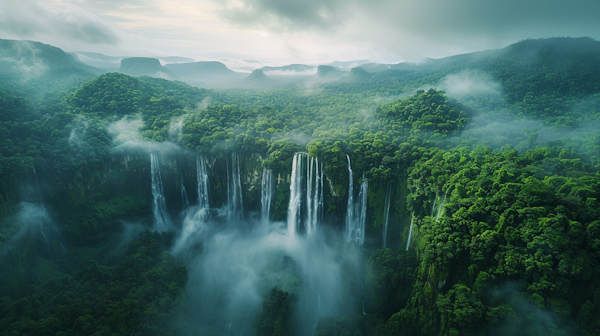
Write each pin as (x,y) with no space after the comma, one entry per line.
(292,31)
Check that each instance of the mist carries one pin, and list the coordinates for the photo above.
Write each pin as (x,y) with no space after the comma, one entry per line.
(127,138)
(22,60)
(470,84)
(529,315)
(235,260)
(495,125)
(232,271)
(35,225)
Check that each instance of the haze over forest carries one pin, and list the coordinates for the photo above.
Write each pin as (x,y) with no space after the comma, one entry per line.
(328,168)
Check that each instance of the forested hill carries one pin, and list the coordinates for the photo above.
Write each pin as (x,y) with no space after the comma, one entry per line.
(538,78)
(479,177)
(28,58)
(36,68)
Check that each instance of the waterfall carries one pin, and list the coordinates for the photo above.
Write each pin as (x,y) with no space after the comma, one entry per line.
(202,183)
(412,217)
(309,199)
(235,207)
(433,206)
(159,208)
(295,195)
(266,194)
(314,194)
(440,207)
(386,213)
(350,206)
(195,220)
(361,212)
(311,209)
(356,214)
(321,202)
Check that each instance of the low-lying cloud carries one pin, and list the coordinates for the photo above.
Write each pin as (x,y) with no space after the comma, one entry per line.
(127,137)
(291,72)
(23,59)
(470,83)
(30,19)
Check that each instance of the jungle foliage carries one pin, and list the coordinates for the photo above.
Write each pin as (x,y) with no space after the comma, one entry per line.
(504,188)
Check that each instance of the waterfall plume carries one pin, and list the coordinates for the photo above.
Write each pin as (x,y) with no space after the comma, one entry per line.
(162,221)
(235,206)
(412,217)
(266,194)
(386,213)
(356,212)
(306,200)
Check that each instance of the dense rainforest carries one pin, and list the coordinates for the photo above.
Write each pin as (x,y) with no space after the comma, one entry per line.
(456,197)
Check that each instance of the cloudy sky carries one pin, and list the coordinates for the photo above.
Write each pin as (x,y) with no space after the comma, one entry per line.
(294,31)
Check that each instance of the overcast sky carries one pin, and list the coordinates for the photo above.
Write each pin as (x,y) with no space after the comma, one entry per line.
(294,31)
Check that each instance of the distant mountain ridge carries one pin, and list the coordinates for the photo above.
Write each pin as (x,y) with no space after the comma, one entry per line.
(144,66)
(36,58)
(200,69)
(565,58)
(113,63)
(298,68)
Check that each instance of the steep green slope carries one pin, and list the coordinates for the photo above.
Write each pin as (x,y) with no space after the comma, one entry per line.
(28,58)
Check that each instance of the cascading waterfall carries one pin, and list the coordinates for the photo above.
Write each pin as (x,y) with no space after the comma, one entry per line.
(230,266)
(159,208)
(350,206)
(235,207)
(356,214)
(433,208)
(361,212)
(314,194)
(311,209)
(295,195)
(202,183)
(309,199)
(196,217)
(321,202)
(266,194)
(412,217)
(386,213)
(440,207)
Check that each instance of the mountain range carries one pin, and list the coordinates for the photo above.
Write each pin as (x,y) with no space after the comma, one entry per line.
(31,60)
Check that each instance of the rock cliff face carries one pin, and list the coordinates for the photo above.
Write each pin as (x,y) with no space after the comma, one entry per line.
(144,66)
